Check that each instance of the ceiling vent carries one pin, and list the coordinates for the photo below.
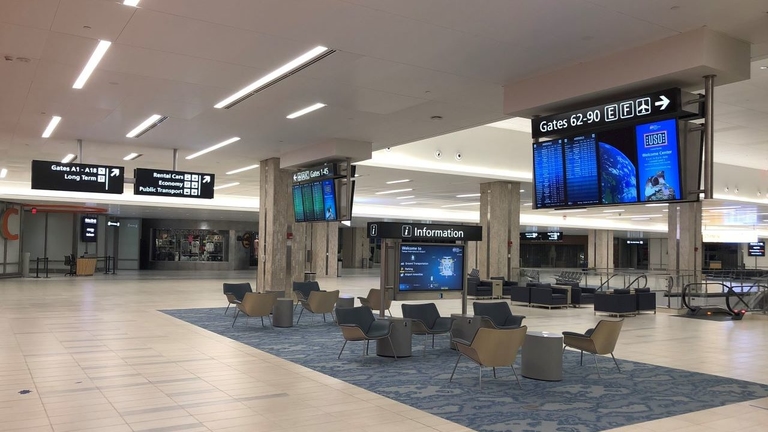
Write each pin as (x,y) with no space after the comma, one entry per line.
(279,78)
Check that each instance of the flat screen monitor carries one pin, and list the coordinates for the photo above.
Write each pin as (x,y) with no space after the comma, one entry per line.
(431,267)
(89,228)
(632,164)
(756,249)
(315,201)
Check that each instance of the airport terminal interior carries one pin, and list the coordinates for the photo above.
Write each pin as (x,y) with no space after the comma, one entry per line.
(411,215)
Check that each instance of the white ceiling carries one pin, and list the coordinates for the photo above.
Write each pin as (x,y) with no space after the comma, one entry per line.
(398,63)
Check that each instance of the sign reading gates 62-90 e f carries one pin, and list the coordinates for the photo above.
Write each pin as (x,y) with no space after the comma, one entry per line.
(173,183)
(72,177)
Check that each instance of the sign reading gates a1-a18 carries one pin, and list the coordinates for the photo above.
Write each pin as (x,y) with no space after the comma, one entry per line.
(646,107)
(173,183)
(72,177)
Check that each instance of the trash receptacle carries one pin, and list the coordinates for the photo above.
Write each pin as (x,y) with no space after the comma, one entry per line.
(338,268)
(25,265)
(310,276)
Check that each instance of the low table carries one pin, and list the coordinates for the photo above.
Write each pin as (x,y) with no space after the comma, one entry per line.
(401,339)
(282,314)
(464,327)
(542,356)
(496,287)
(345,301)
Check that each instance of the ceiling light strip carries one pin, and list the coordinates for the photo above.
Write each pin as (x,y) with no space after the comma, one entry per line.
(398,181)
(51,126)
(299,63)
(134,3)
(146,125)
(239,170)
(406,197)
(306,110)
(132,156)
(214,147)
(3,173)
(468,195)
(461,205)
(96,57)
(226,185)
(69,158)
(393,191)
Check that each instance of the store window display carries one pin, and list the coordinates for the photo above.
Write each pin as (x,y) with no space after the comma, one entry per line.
(189,245)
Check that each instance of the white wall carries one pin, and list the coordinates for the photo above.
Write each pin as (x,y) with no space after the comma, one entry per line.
(128,244)
(657,253)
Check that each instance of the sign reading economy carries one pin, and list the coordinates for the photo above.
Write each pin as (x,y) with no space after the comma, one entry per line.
(173,183)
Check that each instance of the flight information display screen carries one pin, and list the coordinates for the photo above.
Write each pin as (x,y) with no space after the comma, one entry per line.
(315,201)
(431,267)
(631,164)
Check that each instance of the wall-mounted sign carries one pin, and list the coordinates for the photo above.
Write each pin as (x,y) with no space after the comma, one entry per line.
(72,177)
(316,173)
(646,107)
(554,236)
(635,242)
(89,226)
(725,236)
(173,183)
(113,223)
(4,228)
(756,249)
(421,232)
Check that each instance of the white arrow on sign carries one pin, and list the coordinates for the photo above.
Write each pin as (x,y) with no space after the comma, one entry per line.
(206,179)
(663,102)
(115,172)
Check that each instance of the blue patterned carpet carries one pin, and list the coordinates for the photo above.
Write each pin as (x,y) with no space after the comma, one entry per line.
(581,402)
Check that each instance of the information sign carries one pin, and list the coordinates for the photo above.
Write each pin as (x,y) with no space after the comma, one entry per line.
(173,183)
(72,177)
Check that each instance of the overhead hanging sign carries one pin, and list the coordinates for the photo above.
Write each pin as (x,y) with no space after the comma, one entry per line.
(73,177)
(421,232)
(646,107)
(173,183)
(316,173)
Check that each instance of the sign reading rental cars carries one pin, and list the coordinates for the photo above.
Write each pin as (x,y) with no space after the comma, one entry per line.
(173,183)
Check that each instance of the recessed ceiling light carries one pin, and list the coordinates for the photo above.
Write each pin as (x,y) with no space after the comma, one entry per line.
(133,3)
(398,181)
(69,158)
(640,218)
(3,173)
(285,69)
(657,205)
(132,156)
(393,191)
(763,67)
(406,197)
(306,110)
(98,53)
(214,147)
(461,205)
(522,190)
(468,195)
(51,126)
(239,170)
(226,185)
(613,211)
(146,125)
(528,204)
(408,202)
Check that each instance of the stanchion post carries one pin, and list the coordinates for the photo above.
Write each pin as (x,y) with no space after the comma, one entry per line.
(37,268)
(45,263)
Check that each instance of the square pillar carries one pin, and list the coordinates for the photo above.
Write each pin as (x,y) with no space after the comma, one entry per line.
(275,220)
(499,252)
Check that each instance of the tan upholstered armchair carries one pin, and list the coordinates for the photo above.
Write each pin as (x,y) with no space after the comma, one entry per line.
(257,305)
(600,340)
(373,300)
(492,348)
(319,302)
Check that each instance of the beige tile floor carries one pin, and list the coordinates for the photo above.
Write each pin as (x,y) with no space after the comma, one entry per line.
(97,356)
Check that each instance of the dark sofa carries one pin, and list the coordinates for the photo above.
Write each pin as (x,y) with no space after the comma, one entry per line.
(646,300)
(620,302)
(544,294)
(478,288)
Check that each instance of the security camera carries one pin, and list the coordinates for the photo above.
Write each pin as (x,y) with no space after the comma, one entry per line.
(438,154)
(458,156)
(388,149)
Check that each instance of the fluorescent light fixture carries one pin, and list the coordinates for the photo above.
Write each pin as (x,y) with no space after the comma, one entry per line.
(393,191)
(51,126)
(522,190)
(569,211)
(98,53)
(132,156)
(3,173)
(398,181)
(146,125)
(408,202)
(528,204)
(214,147)
(134,3)
(468,195)
(461,205)
(266,79)
(657,205)
(306,110)
(640,218)
(239,170)
(406,197)
(721,208)
(614,211)
(69,158)
(226,185)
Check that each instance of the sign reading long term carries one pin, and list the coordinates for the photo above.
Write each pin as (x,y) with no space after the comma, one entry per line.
(72,177)
(173,183)
(415,231)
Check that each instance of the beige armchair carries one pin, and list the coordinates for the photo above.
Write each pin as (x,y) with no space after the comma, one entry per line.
(373,300)
(492,348)
(319,302)
(257,305)
(600,340)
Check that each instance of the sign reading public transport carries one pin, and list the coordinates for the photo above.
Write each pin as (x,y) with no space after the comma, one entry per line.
(173,183)
(645,107)
(421,232)
(72,177)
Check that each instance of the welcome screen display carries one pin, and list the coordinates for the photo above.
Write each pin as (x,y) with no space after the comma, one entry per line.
(658,163)
(329,200)
(431,267)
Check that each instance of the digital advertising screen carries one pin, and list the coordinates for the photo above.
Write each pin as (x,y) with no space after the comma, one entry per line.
(431,267)
(658,163)
(89,229)
(329,200)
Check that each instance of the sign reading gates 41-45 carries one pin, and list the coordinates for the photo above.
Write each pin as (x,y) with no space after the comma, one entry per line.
(421,232)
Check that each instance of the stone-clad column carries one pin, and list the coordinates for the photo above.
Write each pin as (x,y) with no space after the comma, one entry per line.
(325,247)
(684,242)
(499,252)
(600,250)
(275,220)
(355,247)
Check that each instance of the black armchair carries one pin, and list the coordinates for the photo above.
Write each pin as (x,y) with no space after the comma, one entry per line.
(497,315)
(427,321)
(620,302)
(477,288)
(646,300)
(582,295)
(548,296)
(359,324)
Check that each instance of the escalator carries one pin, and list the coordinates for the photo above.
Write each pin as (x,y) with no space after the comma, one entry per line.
(712,312)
